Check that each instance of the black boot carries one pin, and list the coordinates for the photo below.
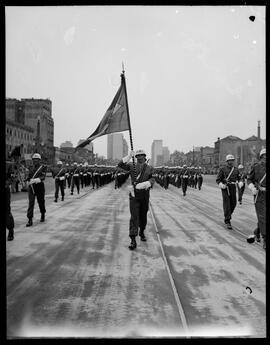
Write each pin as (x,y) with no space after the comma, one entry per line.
(143,238)
(42,219)
(10,235)
(133,243)
(55,200)
(30,223)
(62,198)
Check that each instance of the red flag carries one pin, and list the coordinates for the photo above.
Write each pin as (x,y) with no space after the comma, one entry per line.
(115,118)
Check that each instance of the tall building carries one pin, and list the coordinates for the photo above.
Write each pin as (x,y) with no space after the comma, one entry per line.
(115,146)
(165,154)
(156,153)
(125,147)
(26,113)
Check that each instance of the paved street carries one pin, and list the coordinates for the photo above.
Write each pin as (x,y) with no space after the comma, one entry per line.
(75,276)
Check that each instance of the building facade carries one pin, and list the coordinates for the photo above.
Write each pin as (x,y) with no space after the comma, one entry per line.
(165,154)
(115,146)
(246,152)
(27,112)
(156,153)
(17,134)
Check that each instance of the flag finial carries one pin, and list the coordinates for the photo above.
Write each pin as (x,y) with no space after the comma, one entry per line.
(123,70)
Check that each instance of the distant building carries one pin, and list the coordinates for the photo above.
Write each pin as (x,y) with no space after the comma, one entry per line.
(165,154)
(26,112)
(156,153)
(115,146)
(17,134)
(245,151)
(67,143)
(125,147)
(206,158)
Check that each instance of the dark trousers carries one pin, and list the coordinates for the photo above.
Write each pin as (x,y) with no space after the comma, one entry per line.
(81,180)
(39,190)
(184,185)
(59,185)
(138,207)
(75,181)
(240,192)
(261,212)
(200,180)
(229,202)
(9,217)
(69,181)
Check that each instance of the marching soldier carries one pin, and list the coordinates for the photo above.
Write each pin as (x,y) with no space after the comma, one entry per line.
(184,179)
(243,177)
(256,181)
(9,216)
(81,172)
(85,175)
(59,176)
(226,179)
(68,175)
(139,194)
(95,177)
(199,178)
(75,180)
(36,188)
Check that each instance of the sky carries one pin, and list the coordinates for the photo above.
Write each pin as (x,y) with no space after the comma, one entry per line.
(193,73)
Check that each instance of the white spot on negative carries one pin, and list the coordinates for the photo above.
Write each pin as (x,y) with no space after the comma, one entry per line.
(254,41)
(236,36)
(69,35)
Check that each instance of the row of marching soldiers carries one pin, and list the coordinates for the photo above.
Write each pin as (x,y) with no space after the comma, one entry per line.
(74,176)
(180,177)
(78,176)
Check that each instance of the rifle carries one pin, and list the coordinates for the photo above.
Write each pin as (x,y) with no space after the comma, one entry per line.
(255,199)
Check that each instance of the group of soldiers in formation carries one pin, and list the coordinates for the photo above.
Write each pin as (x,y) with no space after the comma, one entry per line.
(76,176)
(180,177)
(73,176)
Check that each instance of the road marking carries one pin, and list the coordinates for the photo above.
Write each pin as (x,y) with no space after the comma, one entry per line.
(176,296)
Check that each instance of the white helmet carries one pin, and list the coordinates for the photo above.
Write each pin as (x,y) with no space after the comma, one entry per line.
(229,158)
(67,164)
(59,162)
(240,166)
(75,163)
(36,155)
(263,152)
(140,152)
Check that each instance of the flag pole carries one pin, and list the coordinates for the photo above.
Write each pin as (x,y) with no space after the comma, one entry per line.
(129,125)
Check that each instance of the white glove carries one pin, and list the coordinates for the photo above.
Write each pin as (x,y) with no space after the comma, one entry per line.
(131,190)
(143,185)
(31,181)
(128,157)
(253,189)
(240,184)
(222,185)
(37,180)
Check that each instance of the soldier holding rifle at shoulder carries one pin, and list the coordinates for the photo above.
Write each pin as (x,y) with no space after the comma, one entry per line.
(36,188)
(59,176)
(227,178)
(256,181)
(139,193)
